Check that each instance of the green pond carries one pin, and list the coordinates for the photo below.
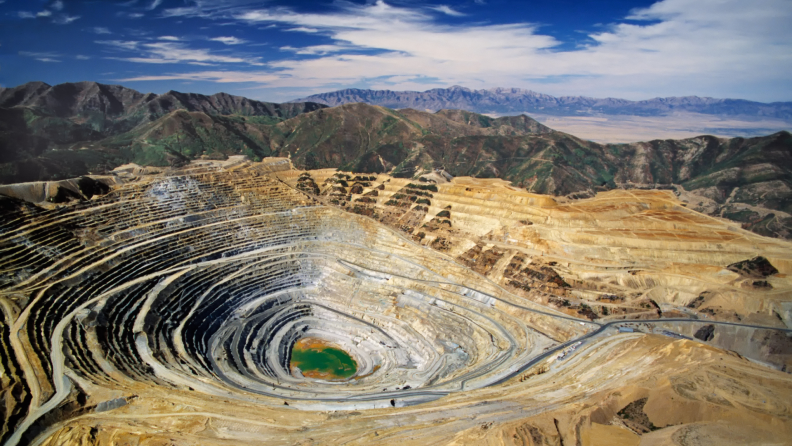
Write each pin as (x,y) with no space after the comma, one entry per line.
(323,362)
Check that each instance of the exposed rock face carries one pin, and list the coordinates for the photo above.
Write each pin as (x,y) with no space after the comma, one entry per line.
(746,180)
(476,221)
(165,310)
(705,333)
(515,100)
(757,267)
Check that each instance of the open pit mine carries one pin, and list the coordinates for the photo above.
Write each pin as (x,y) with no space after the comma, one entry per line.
(237,302)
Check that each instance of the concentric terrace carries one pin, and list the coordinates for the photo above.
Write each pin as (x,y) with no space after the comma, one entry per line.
(199,283)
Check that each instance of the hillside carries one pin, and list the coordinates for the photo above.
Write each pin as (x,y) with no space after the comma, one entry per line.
(515,100)
(52,132)
(747,180)
(77,129)
(91,100)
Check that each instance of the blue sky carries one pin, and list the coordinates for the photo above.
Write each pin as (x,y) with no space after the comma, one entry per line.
(280,50)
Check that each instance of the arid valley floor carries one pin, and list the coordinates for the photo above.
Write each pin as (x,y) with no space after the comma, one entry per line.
(162,309)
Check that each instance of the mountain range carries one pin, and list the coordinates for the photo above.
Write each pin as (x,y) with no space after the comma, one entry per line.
(69,130)
(515,100)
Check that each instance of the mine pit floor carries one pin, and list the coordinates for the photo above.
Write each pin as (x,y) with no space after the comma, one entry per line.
(320,359)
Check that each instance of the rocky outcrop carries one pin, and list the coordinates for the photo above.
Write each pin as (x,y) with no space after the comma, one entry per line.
(757,268)
(705,333)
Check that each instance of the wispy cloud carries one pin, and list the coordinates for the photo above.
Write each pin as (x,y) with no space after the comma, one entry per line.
(186,11)
(214,9)
(405,42)
(229,40)
(82,57)
(130,15)
(303,29)
(349,17)
(317,49)
(153,5)
(41,57)
(129,45)
(100,30)
(170,52)
(53,14)
(673,47)
(171,38)
(213,76)
(445,9)
(676,47)
(66,19)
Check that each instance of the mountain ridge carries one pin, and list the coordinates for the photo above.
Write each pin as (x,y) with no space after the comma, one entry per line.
(85,99)
(516,100)
(72,130)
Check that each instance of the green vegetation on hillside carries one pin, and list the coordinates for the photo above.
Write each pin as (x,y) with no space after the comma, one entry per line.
(41,143)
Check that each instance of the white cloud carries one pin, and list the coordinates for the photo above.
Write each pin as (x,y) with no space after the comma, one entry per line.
(82,57)
(303,29)
(130,45)
(171,38)
(213,76)
(41,57)
(229,40)
(66,19)
(352,17)
(677,47)
(169,52)
(722,48)
(178,53)
(153,5)
(57,5)
(317,49)
(59,18)
(130,15)
(100,30)
(445,9)
(208,9)
(186,11)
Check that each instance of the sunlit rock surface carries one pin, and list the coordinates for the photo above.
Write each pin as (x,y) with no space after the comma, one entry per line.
(164,311)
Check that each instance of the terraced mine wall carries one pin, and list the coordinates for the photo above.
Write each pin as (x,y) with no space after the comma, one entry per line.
(171,302)
(204,281)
